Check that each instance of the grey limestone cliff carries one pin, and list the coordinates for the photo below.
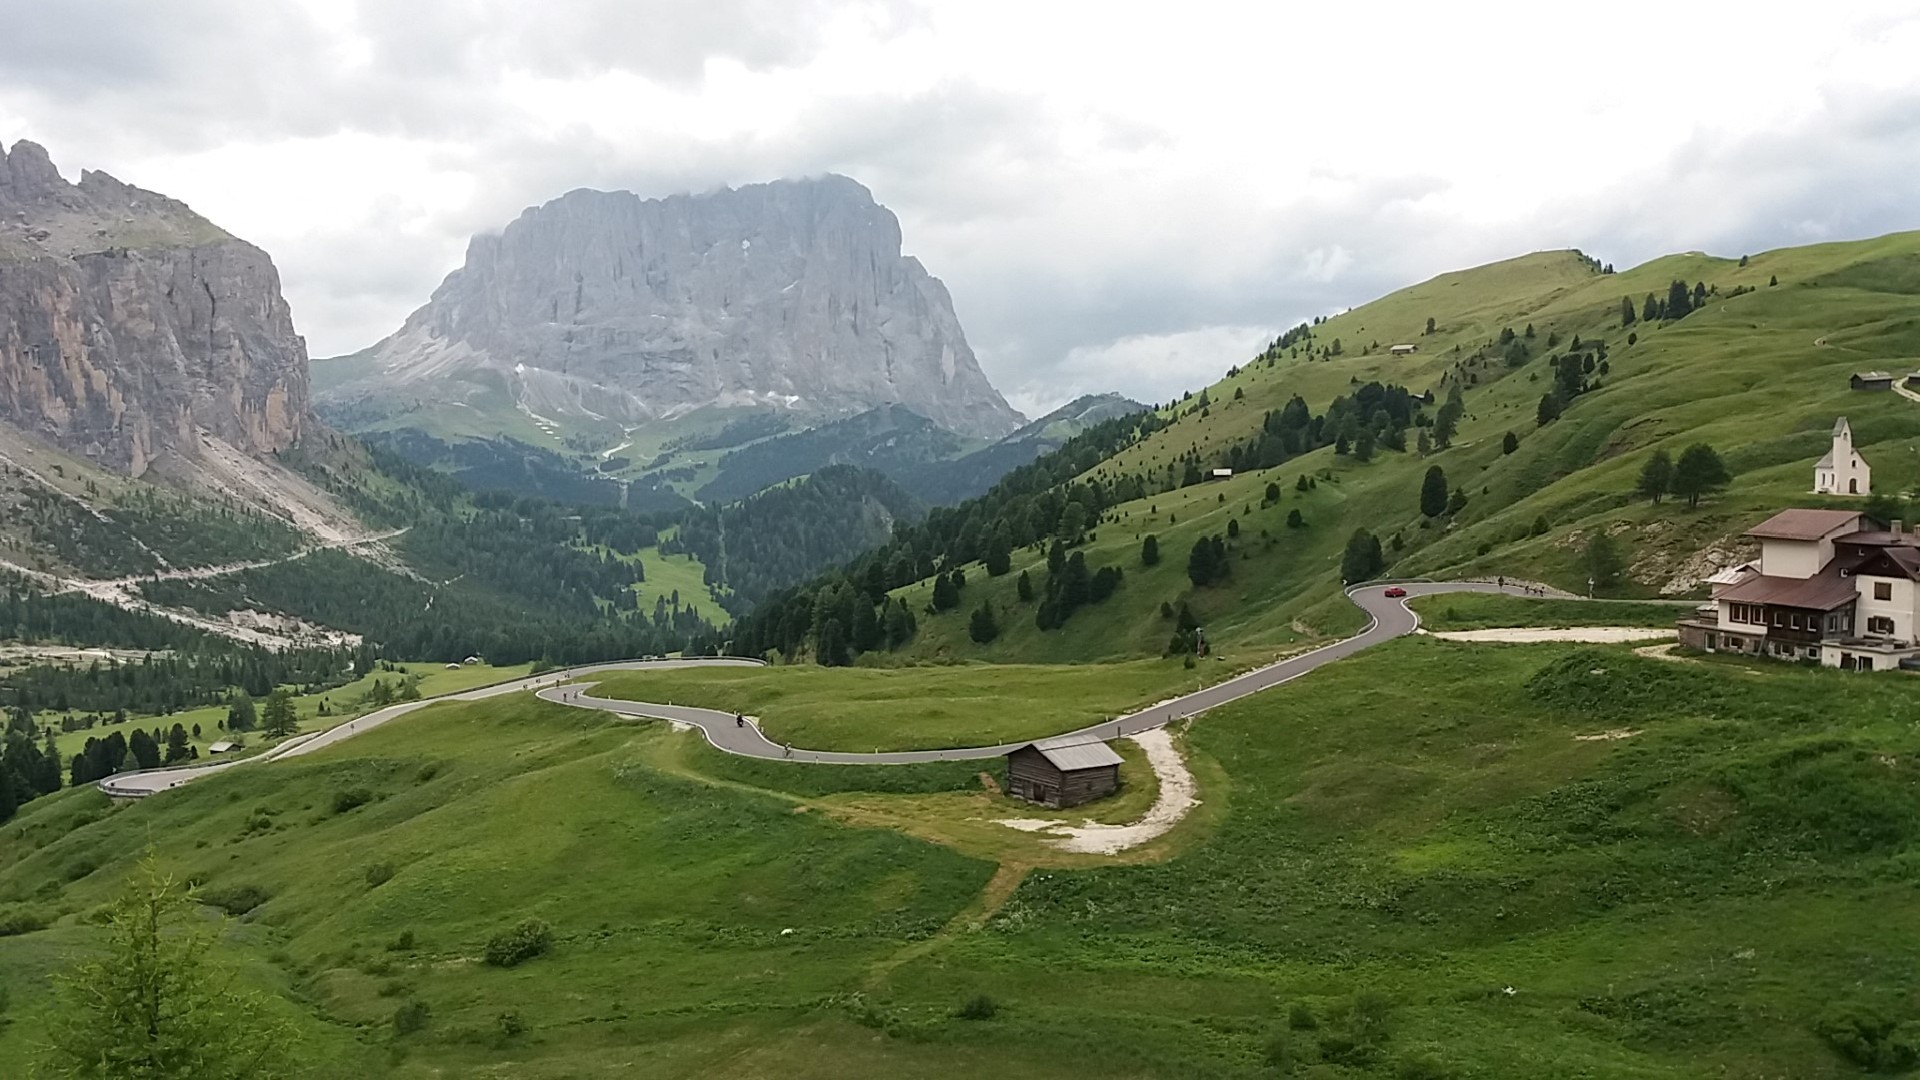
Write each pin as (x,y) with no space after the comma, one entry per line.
(129,325)
(792,295)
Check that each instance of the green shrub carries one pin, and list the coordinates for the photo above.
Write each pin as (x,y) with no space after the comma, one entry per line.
(350,798)
(401,943)
(236,899)
(510,1024)
(21,920)
(977,1007)
(1870,1038)
(1341,1048)
(410,1017)
(1421,1067)
(1300,1017)
(531,938)
(379,874)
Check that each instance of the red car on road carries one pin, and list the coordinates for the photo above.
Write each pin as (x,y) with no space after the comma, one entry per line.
(1395,592)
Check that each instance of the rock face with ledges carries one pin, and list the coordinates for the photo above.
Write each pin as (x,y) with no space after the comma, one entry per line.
(129,324)
(791,295)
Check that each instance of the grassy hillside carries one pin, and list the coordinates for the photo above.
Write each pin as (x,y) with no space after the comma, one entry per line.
(1759,376)
(861,710)
(1418,862)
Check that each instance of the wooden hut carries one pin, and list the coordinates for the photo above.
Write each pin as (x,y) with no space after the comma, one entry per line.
(1066,771)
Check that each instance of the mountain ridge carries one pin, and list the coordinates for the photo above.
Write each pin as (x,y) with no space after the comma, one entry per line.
(603,310)
(131,327)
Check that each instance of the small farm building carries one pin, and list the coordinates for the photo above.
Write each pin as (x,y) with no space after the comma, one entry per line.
(1872,380)
(1061,772)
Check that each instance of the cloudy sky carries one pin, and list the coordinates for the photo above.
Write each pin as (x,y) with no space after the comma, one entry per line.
(1120,196)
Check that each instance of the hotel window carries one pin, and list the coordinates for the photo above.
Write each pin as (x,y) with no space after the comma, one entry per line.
(1883,590)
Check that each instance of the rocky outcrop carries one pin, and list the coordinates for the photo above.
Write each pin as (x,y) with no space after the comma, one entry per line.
(791,295)
(129,325)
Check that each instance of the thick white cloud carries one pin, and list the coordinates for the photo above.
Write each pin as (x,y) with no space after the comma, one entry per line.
(1120,196)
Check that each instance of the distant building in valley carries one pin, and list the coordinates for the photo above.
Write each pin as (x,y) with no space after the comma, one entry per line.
(1872,380)
(1403,350)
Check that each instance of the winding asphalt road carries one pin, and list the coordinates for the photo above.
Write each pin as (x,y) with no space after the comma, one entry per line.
(1388,618)
(134,785)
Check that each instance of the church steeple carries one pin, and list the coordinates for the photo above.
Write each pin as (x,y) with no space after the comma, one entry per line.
(1843,471)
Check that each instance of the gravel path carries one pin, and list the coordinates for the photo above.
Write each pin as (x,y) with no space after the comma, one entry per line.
(1593,635)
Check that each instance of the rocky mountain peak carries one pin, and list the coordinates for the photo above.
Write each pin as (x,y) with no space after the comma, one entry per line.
(132,328)
(792,295)
(29,172)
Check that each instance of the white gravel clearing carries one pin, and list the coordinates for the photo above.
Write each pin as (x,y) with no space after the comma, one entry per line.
(1591,635)
(1172,803)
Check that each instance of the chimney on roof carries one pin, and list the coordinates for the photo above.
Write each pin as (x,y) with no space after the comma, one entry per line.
(1899,527)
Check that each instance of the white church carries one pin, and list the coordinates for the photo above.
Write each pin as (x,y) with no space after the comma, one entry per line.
(1843,471)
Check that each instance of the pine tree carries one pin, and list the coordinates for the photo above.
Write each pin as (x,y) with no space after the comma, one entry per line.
(1509,443)
(1150,551)
(1200,564)
(153,1005)
(1025,587)
(1602,559)
(1651,310)
(1056,558)
(1699,473)
(832,645)
(999,557)
(1433,492)
(1362,559)
(240,712)
(1679,301)
(1656,476)
(1295,520)
(899,624)
(982,627)
(277,717)
(1626,312)
(146,752)
(946,596)
(178,748)
(1549,409)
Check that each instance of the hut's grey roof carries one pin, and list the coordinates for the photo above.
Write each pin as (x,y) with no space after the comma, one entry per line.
(1069,753)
